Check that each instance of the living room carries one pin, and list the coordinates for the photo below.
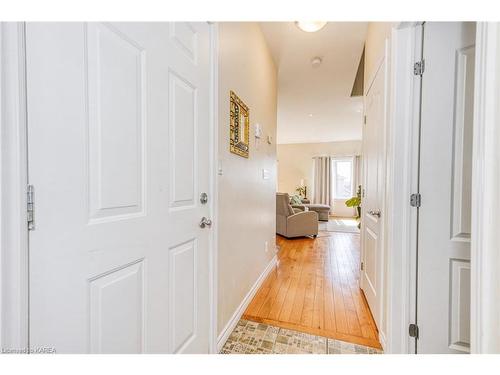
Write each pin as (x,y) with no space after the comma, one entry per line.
(301,167)
(320,115)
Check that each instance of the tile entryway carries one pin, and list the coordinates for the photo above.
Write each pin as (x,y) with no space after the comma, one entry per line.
(257,338)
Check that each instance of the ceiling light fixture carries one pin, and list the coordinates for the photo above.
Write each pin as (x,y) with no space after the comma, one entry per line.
(316,61)
(311,26)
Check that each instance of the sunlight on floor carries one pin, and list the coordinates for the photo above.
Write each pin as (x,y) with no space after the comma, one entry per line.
(345,221)
(339,224)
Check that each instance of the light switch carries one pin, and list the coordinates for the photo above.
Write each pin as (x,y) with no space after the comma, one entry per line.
(266,174)
(258,131)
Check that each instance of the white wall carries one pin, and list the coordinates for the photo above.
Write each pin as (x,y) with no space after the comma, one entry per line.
(246,212)
(295,162)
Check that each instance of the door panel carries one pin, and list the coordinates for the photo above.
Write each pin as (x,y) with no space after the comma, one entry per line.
(182,294)
(443,309)
(186,38)
(371,240)
(371,225)
(117,310)
(118,263)
(116,64)
(182,129)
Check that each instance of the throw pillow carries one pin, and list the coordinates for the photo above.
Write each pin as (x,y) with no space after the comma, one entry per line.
(295,200)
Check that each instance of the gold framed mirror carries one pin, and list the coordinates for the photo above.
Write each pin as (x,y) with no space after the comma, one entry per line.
(239,137)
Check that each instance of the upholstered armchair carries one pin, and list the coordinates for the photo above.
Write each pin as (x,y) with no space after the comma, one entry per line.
(294,223)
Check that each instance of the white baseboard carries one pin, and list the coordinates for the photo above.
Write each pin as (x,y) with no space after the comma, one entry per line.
(231,324)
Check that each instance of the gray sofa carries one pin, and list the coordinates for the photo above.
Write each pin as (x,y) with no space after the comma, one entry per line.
(323,210)
(294,223)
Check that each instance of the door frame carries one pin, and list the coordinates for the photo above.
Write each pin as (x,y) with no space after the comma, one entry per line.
(401,182)
(14,251)
(14,271)
(485,259)
(214,183)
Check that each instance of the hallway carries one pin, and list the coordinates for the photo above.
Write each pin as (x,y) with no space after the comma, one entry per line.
(314,289)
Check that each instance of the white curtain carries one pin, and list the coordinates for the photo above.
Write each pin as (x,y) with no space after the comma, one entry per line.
(322,174)
(356,172)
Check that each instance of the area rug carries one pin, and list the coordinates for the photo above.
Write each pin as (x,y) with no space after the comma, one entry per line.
(339,225)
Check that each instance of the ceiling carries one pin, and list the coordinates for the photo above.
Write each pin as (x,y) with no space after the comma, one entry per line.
(314,103)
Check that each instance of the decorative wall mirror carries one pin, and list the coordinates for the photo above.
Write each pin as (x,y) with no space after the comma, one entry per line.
(239,138)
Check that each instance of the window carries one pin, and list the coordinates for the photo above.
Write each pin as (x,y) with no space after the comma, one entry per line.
(342,178)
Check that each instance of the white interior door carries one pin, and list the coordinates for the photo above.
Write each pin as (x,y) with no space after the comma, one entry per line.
(371,222)
(118,123)
(443,307)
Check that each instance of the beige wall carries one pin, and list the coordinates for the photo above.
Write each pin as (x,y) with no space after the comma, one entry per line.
(374,47)
(295,163)
(246,200)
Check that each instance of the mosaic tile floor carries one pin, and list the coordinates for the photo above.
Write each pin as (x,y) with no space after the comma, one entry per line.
(256,338)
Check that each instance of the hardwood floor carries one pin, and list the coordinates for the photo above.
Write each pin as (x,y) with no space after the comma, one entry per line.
(314,289)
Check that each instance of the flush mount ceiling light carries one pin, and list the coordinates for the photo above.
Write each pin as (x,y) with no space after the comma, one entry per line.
(311,26)
(316,61)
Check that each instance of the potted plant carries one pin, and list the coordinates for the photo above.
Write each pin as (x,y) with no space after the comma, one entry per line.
(302,190)
(355,202)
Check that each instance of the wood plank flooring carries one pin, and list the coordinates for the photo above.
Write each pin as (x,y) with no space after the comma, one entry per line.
(315,289)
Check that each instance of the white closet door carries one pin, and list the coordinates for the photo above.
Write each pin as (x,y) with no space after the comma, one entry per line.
(443,307)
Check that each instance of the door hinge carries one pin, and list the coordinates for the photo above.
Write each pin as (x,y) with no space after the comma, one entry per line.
(415,200)
(413,330)
(419,67)
(30,206)
(362,266)
(364,119)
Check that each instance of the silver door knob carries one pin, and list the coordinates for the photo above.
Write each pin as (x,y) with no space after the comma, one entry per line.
(205,222)
(374,213)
